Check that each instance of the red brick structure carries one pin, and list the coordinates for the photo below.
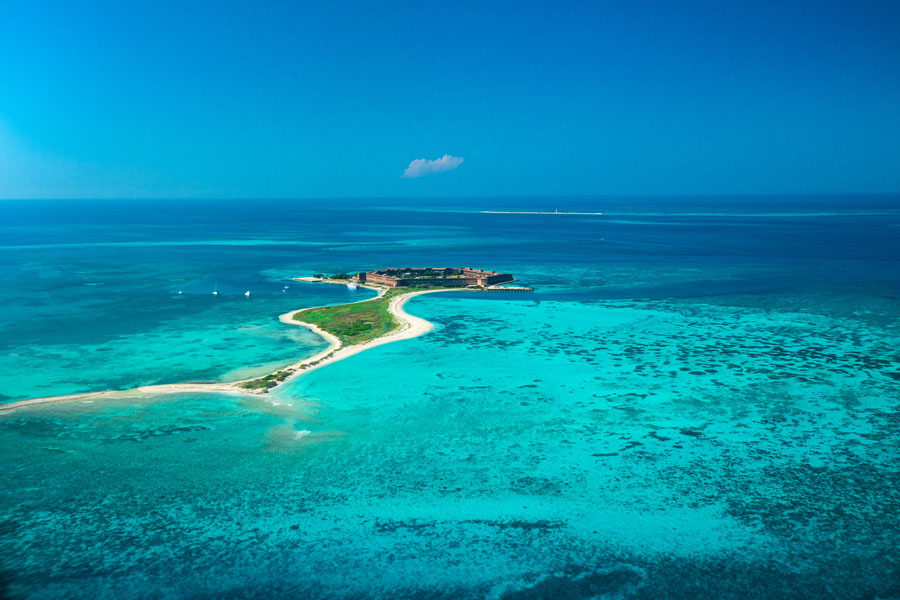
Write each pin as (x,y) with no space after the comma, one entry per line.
(434,277)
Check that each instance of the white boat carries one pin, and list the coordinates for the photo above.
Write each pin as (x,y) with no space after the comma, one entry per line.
(216,291)
(180,292)
(247,293)
(352,285)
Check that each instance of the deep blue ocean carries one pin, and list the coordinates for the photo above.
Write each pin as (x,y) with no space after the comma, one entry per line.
(699,400)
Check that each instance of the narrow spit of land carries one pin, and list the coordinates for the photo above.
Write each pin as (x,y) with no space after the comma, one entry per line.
(537,212)
(348,328)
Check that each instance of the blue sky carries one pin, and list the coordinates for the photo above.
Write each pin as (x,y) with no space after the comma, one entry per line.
(235,99)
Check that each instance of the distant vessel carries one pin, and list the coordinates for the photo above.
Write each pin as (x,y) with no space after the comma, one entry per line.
(216,290)
(180,292)
(352,285)
(247,293)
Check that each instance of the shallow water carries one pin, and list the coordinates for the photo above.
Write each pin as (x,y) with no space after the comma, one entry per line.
(701,415)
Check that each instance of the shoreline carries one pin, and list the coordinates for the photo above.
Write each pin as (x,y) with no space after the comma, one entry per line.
(410,327)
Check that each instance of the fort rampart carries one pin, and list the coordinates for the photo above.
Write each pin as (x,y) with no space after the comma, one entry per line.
(434,277)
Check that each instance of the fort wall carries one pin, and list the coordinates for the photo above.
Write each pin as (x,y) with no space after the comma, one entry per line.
(457,277)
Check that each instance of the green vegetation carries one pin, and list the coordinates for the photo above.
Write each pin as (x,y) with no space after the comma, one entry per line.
(339,276)
(269,381)
(355,323)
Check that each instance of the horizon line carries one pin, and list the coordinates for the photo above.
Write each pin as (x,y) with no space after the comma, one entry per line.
(454,197)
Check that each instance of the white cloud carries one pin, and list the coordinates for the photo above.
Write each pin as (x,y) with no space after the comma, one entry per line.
(421,166)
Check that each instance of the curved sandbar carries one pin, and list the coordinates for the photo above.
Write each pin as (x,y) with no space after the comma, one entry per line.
(408,326)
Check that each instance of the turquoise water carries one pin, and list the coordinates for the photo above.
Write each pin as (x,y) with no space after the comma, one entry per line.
(709,414)
(221,342)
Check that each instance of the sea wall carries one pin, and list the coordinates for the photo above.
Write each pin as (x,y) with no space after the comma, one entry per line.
(388,277)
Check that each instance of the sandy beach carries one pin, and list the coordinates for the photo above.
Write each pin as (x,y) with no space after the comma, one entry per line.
(409,327)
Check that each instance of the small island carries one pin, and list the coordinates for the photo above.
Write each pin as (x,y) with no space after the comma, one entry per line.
(356,326)
(435,277)
(348,328)
(357,322)
(540,212)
